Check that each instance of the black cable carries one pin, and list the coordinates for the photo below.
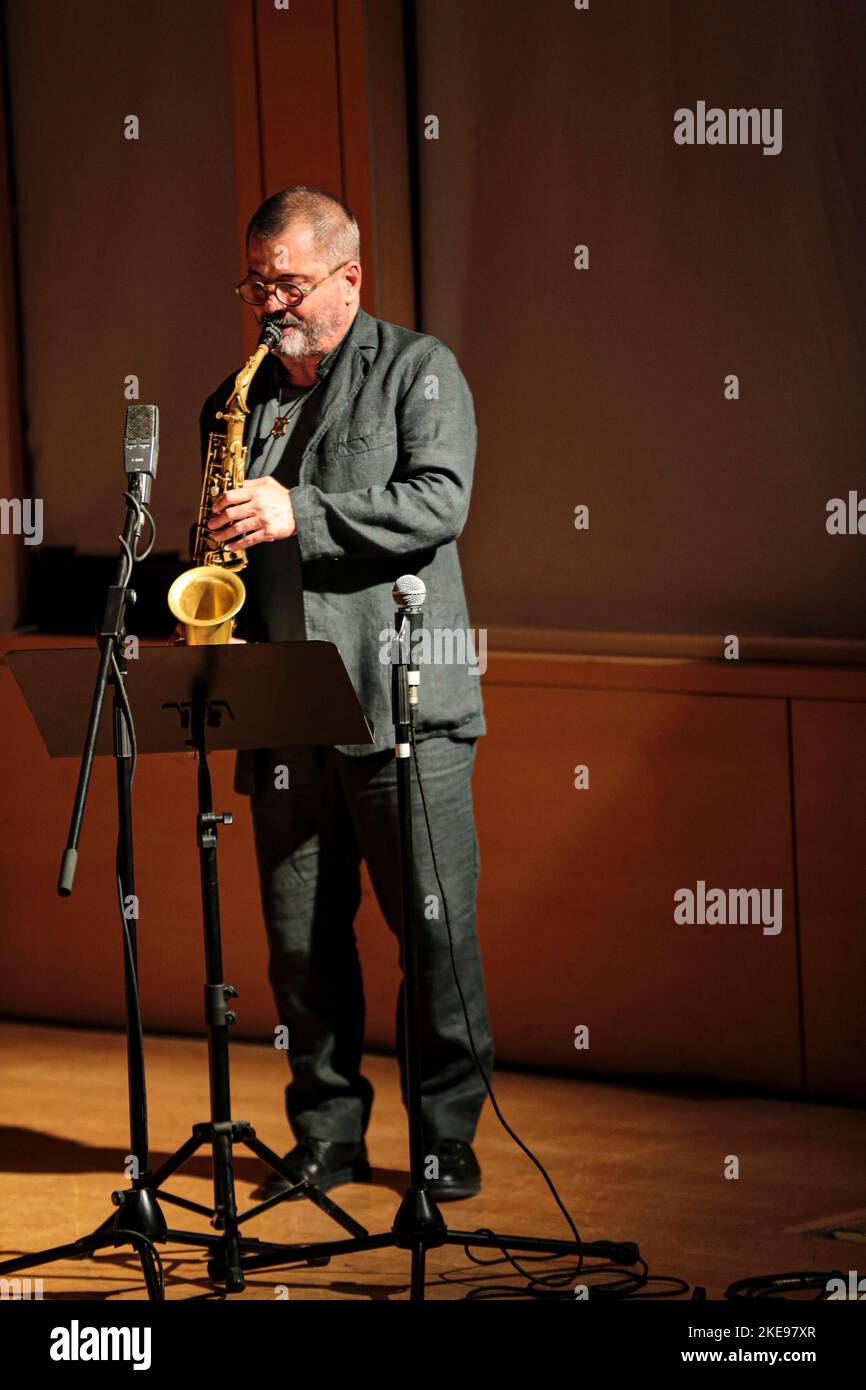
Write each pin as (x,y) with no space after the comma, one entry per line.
(131,557)
(140,510)
(544,1286)
(136,1236)
(126,711)
(557,1284)
(777,1285)
(143,554)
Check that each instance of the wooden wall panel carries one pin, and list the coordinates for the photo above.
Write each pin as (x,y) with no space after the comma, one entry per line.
(248,163)
(830,787)
(578,886)
(355,134)
(61,958)
(318,97)
(391,241)
(299,98)
(301,82)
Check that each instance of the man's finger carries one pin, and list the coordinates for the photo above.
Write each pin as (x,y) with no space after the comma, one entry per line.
(230,515)
(230,498)
(230,534)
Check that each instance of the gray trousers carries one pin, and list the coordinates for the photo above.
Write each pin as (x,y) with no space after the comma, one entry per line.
(310,840)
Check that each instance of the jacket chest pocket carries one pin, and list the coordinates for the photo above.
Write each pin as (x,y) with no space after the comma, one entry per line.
(354,461)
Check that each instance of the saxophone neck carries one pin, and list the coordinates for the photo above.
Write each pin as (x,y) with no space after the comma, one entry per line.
(243,381)
(269,338)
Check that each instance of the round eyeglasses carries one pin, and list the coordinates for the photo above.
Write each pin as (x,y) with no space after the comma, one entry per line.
(258,292)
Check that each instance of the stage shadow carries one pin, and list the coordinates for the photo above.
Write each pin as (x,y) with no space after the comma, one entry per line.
(290,1278)
(35,1151)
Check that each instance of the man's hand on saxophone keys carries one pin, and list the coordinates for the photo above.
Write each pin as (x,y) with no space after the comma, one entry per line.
(260,510)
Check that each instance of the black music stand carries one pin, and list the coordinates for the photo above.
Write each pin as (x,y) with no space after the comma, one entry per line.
(195,698)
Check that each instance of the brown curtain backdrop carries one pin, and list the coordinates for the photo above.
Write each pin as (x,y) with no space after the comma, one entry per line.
(604,387)
(127,247)
(601,387)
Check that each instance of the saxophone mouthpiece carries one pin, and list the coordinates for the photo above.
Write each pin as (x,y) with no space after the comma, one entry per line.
(272,330)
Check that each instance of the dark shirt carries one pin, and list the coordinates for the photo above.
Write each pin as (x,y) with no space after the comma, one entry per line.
(274,607)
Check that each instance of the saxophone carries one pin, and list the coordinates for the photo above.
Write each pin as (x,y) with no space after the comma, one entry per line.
(207,598)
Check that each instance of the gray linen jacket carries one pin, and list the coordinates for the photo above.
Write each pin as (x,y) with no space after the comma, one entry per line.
(384,486)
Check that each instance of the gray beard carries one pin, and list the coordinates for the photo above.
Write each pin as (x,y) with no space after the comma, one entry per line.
(304,339)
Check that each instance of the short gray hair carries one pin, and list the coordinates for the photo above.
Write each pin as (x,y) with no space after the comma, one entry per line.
(335,230)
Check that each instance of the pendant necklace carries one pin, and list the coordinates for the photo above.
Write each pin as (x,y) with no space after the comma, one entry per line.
(281,423)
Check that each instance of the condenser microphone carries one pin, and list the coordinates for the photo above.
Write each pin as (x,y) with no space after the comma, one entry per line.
(141,446)
(409,594)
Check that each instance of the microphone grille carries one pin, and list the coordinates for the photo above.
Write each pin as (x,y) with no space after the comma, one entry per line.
(409,591)
(142,423)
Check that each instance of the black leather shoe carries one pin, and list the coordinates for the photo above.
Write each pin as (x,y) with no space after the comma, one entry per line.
(459,1173)
(323,1163)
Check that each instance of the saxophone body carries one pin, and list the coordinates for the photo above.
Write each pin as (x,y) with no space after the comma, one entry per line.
(207,598)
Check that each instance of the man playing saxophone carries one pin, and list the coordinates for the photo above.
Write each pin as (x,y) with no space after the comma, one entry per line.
(360,452)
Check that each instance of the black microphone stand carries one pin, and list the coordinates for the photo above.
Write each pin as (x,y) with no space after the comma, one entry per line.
(138,1221)
(418,1223)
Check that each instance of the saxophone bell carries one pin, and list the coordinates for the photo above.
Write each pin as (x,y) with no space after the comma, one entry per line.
(206,600)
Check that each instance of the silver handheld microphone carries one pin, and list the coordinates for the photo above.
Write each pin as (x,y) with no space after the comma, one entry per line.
(409,594)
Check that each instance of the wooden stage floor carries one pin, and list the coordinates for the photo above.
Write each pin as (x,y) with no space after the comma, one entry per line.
(640,1163)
